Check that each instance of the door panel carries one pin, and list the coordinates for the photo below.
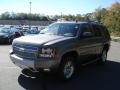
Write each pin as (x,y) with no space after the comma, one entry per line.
(87,49)
(88,46)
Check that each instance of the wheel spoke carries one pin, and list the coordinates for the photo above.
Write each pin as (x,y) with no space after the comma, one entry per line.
(68,69)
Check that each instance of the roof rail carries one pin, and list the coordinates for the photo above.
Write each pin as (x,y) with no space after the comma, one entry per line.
(94,22)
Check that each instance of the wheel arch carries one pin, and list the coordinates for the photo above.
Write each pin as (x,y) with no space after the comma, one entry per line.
(70,53)
(106,46)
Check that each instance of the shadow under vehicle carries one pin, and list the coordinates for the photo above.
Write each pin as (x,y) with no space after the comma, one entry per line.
(90,77)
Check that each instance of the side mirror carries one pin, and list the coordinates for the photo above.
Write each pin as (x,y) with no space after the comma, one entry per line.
(87,34)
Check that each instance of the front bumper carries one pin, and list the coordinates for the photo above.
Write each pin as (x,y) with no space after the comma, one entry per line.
(34,65)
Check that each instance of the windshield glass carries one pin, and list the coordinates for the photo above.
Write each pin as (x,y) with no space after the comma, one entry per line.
(65,29)
(4,30)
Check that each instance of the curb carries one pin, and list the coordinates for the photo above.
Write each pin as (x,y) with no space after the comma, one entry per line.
(116,39)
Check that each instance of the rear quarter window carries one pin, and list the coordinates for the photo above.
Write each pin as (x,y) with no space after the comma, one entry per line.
(96,30)
(105,32)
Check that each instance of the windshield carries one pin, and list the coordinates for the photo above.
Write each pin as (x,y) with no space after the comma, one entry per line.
(4,30)
(65,29)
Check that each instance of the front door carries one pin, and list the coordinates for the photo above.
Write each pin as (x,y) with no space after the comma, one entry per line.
(86,43)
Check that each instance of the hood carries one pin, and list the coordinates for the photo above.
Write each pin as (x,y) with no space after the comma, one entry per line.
(40,39)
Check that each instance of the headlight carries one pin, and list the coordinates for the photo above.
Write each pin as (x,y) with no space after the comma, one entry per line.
(47,52)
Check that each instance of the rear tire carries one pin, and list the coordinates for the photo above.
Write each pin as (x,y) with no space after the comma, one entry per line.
(103,57)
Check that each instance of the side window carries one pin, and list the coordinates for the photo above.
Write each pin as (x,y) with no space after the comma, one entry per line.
(96,30)
(86,31)
(85,28)
(105,32)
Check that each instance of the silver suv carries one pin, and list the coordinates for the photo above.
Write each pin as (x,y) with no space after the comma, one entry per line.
(61,46)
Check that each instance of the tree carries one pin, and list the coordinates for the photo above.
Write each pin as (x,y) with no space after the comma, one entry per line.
(112,19)
(5,16)
(99,14)
(88,17)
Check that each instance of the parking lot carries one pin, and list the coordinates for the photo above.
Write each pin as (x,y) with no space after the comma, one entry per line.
(91,77)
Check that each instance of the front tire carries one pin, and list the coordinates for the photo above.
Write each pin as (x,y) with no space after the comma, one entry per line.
(67,68)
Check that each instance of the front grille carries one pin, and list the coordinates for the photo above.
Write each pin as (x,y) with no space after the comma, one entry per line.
(25,51)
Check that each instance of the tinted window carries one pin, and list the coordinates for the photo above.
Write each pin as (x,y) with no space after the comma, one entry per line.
(97,31)
(105,32)
(85,28)
(86,31)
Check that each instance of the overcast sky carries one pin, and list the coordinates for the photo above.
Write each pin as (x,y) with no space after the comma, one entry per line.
(52,7)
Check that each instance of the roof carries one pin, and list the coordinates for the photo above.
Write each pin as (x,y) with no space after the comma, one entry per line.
(79,22)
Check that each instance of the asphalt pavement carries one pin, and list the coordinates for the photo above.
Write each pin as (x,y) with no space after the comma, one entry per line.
(91,77)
